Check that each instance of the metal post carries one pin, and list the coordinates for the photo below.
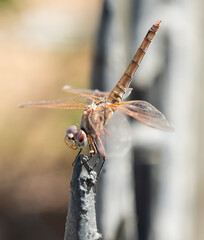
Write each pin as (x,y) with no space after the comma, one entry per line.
(81,218)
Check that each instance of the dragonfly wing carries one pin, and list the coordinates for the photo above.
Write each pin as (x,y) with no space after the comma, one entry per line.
(79,101)
(68,103)
(92,94)
(117,137)
(146,114)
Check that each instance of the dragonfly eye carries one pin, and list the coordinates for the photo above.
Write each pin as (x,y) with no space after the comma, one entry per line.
(69,137)
(80,138)
(71,130)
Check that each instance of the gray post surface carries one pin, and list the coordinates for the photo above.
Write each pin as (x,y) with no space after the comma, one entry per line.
(81,218)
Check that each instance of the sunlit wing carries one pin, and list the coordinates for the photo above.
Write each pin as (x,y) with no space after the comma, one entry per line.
(68,103)
(94,95)
(82,98)
(145,113)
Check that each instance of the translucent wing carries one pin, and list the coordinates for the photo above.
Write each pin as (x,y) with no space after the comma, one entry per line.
(117,137)
(91,94)
(68,103)
(82,98)
(145,113)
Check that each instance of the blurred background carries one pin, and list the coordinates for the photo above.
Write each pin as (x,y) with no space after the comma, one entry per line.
(47,44)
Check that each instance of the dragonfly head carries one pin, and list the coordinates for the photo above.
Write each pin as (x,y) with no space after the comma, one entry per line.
(75,138)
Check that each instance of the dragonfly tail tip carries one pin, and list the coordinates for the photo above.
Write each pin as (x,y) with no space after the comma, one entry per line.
(158,23)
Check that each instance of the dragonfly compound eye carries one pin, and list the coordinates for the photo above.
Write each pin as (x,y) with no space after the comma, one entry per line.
(71,130)
(80,138)
(69,137)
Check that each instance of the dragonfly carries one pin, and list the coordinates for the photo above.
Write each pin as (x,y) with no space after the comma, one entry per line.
(98,107)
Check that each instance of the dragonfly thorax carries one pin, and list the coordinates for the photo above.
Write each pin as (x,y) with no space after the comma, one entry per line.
(95,117)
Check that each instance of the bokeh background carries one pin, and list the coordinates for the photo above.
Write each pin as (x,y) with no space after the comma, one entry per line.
(44,45)
(47,44)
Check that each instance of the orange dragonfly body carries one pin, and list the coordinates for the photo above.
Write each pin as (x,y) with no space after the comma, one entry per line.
(102,105)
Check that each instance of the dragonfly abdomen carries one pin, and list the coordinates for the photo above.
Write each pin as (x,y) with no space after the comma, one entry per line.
(121,87)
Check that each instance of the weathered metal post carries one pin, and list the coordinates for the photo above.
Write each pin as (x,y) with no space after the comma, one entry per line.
(81,217)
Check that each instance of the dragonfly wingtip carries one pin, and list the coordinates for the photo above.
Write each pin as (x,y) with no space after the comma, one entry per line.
(21,105)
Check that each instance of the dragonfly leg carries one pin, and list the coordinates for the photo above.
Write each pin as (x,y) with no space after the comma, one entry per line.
(98,159)
(100,170)
(86,165)
(93,150)
(92,153)
(77,156)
